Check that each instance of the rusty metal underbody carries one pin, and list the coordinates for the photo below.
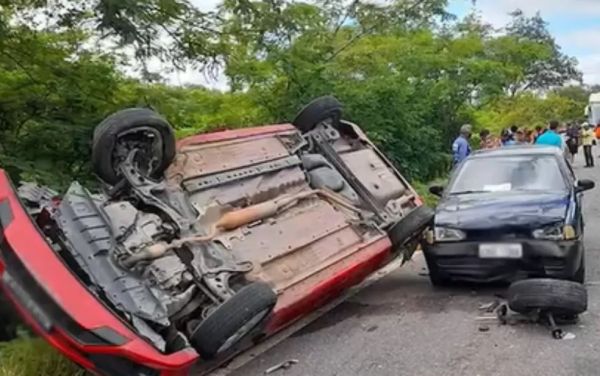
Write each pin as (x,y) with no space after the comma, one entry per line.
(297,245)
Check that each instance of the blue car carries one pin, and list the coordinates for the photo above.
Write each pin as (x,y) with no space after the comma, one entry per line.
(508,214)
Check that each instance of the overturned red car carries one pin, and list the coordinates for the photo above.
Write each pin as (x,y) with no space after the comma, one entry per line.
(195,250)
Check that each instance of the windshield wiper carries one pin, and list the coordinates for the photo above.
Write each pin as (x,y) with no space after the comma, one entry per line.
(468,192)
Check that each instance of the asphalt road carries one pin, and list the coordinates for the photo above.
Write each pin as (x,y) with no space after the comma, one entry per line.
(401,325)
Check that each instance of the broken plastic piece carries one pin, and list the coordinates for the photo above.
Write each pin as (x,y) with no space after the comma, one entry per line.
(283,365)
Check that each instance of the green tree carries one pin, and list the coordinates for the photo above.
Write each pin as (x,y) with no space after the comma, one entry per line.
(527,110)
(578,93)
(407,83)
(550,69)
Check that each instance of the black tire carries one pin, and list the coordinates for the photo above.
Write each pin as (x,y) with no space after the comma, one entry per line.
(560,297)
(212,334)
(107,134)
(410,226)
(316,111)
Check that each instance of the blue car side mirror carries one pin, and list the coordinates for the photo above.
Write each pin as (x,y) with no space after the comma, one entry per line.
(437,190)
(584,185)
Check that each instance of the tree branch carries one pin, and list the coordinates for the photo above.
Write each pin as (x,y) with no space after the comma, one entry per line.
(350,42)
(366,31)
(20,65)
(350,9)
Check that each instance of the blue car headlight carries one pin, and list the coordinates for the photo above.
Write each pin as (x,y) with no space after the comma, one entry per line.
(445,234)
(555,232)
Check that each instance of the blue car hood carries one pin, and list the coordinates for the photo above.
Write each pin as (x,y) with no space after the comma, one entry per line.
(493,210)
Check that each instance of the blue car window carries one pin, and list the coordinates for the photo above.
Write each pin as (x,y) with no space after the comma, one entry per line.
(509,174)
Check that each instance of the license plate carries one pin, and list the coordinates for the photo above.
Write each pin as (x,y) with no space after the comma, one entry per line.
(512,251)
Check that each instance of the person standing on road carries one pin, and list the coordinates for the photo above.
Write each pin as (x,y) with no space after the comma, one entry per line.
(573,139)
(596,133)
(506,138)
(538,132)
(484,139)
(520,138)
(460,147)
(487,141)
(562,132)
(587,139)
(551,136)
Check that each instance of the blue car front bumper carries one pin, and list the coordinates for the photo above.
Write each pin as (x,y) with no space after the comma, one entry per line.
(541,258)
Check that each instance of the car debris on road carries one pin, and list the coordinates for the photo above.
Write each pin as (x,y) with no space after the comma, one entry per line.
(490,307)
(281,366)
(546,301)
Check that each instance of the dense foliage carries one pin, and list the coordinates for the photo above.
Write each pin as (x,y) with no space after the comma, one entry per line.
(406,70)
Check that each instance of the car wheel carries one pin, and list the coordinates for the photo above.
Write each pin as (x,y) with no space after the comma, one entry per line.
(233,320)
(437,277)
(320,109)
(557,296)
(133,128)
(410,226)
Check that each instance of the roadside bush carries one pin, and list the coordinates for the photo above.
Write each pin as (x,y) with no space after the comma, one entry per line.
(423,190)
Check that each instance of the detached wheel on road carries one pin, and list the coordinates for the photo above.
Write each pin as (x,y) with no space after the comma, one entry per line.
(559,297)
(234,320)
(320,109)
(126,130)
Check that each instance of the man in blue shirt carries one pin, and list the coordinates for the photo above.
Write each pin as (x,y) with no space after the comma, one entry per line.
(550,137)
(460,147)
(507,138)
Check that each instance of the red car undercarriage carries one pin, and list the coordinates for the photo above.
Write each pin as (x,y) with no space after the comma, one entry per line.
(205,250)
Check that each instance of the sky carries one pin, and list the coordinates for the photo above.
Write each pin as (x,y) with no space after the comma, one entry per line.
(191,76)
(574,23)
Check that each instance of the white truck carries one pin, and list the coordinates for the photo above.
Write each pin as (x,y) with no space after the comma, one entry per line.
(592,110)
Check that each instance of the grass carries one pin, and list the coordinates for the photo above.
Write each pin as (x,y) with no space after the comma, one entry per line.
(34,357)
(423,190)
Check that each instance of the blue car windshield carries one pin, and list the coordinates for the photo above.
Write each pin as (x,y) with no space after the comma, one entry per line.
(509,174)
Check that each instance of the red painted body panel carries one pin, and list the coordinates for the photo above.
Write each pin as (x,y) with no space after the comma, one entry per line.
(234,133)
(358,267)
(83,307)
